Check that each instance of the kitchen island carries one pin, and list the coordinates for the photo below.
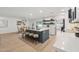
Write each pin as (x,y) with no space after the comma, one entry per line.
(39,35)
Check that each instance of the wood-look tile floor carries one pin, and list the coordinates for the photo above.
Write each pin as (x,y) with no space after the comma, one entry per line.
(14,43)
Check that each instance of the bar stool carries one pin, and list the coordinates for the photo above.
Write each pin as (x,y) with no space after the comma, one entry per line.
(23,35)
(27,33)
(35,36)
(31,34)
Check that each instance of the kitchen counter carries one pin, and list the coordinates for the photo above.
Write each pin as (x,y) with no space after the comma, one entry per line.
(39,35)
(39,30)
(67,42)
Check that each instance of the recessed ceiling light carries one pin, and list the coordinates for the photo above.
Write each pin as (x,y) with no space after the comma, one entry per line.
(41,11)
(30,14)
(62,10)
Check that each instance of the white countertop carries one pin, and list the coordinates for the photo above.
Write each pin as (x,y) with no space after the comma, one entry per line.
(67,42)
(40,29)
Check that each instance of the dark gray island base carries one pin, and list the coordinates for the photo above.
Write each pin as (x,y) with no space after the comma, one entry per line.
(77,34)
(38,35)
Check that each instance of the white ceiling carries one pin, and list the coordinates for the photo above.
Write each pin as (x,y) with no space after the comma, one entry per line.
(32,12)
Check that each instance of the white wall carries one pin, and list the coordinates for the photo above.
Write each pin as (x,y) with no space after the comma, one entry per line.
(11,26)
(77,14)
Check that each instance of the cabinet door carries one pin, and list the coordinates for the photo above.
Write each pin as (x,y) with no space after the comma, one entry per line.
(52,29)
